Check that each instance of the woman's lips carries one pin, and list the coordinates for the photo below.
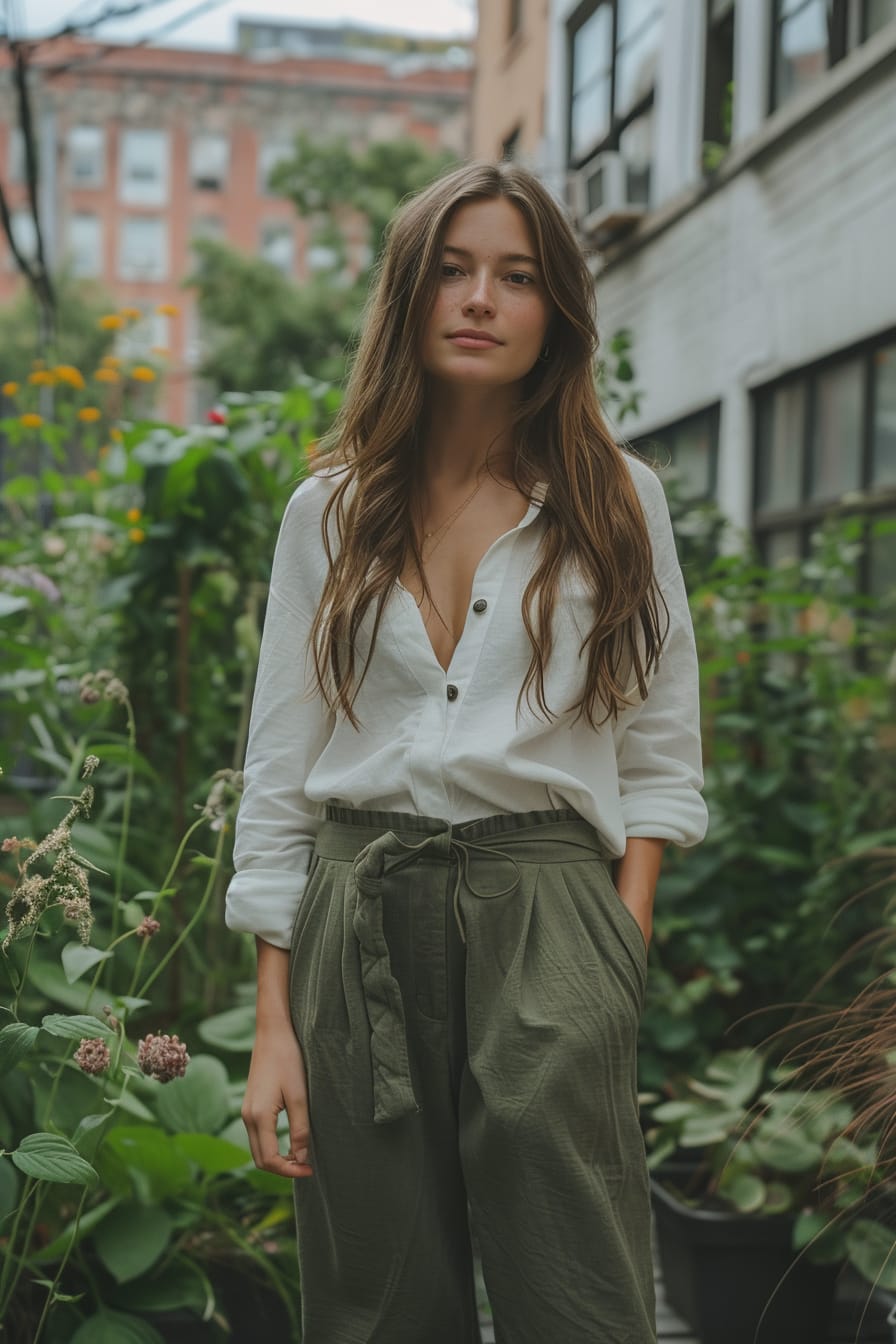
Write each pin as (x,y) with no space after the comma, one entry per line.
(473,340)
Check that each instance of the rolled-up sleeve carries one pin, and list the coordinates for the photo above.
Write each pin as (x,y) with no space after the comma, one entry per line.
(289,728)
(658,747)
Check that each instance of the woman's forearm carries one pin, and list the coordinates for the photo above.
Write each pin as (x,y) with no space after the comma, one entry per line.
(636,875)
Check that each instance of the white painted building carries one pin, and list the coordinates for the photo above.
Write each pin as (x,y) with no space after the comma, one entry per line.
(759,280)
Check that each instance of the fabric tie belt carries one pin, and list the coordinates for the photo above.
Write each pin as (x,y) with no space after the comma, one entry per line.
(393,1090)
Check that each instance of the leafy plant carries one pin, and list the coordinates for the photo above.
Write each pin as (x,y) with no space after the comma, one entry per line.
(763,1145)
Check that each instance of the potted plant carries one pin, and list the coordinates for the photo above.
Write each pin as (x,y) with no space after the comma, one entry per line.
(760,1195)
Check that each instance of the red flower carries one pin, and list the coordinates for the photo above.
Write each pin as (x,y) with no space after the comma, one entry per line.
(216,417)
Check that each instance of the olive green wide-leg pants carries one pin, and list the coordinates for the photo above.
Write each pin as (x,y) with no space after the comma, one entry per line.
(467,999)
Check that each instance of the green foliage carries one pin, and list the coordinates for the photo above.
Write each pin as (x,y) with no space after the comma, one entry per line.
(800,769)
(265,331)
(762,1145)
(79,340)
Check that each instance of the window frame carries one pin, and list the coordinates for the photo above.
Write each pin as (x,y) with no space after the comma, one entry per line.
(661,437)
(847,30)
(97,221)
(98,179)
(165,269)
(867,500)
(134,192)
(618,123)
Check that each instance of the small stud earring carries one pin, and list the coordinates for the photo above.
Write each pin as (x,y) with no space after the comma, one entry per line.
(545,352)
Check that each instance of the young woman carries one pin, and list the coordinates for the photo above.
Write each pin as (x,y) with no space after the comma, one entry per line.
(475,729)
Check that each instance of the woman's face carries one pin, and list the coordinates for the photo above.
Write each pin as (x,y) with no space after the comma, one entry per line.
(490,317)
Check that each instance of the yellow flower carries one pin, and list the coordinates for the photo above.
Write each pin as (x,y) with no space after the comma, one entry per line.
(90,414)
(111,322)
(137,534)
(31,420)
(93,477)
(132,314)
(134,515)
(116,435)
(42,378)
(142,373)
(67,373)
(106,376)
(112,361)
(168,310)
(9,389)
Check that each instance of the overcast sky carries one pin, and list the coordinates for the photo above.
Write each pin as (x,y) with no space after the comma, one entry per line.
(215,26)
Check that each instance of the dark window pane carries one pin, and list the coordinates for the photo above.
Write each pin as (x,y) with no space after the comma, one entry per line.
(782,426)
(837,441)
(636,147)
(878,13)
(882,556)
(781,548)
(801,54)
(883,464)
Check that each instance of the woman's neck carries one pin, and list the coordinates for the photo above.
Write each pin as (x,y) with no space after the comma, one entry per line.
(467,429)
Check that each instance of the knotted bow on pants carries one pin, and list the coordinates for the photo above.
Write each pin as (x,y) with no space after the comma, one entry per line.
(467,999)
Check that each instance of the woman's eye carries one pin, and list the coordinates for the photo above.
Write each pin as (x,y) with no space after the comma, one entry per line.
(521,278)
(448,269)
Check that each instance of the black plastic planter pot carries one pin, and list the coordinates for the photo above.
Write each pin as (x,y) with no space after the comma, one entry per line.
(735,1279)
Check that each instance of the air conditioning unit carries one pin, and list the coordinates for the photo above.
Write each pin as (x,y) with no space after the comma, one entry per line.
(612,195)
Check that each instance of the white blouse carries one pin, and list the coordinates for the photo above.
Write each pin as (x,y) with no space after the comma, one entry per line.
(451,744)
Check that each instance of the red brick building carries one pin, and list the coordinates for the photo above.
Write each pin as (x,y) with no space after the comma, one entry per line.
(145,149)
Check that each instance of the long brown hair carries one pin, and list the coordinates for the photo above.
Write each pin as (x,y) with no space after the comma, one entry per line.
(595,521)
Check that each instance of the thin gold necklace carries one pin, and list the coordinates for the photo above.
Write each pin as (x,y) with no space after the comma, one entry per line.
(442,530)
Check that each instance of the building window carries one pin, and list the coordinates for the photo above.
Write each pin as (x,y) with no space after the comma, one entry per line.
(143,176)
(718,84)
(270,154)
(691,448)
(613,50)
(209,161)
(876,14)
(809,36)
(86,156)
(143,245)
(85,245)
(277,245)
(514,18)
(826,443)
(146,337)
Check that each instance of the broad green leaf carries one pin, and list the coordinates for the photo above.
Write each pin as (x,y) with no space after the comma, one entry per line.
(872,1250)
(55,1249)
(180,1285)
(49,977)
(744,1190)
(233,1030)
(16,1039)
(738,1073)
(786,1150)
(115,1327)
(75,1026)
(198,1102)
(48,1157)
(10,604)
(712,1127)
(157,1168)
(670,1112)
(77,960)
(268,1182)
(211,1154)
(778,1197)
(131,1240)
(89,1132)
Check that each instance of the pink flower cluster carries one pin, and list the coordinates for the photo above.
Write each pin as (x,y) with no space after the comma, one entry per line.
(92,1055)
(162,1057)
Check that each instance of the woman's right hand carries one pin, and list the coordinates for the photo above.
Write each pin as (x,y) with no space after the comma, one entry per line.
(276,1083)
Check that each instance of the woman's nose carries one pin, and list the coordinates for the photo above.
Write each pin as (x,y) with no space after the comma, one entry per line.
(480,298)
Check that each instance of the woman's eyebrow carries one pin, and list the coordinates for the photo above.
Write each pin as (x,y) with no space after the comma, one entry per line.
(507,256)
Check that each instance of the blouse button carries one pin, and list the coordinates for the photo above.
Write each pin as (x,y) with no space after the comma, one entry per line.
(451,691)
(480,604)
